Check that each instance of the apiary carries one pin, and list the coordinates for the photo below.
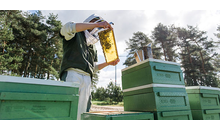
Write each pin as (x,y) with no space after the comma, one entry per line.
(152,71)
(117,115)
(107,40)
(156,97)
(35,99)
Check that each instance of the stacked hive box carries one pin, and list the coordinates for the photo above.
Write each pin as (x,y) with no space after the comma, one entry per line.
(116,115)
(156,86)
(25,98)
(204,102)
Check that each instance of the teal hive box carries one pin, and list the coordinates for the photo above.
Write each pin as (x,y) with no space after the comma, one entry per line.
(35,99)
(206,114)
(202,97)
(156,97)
(117,115)
(173,115)
(152,71)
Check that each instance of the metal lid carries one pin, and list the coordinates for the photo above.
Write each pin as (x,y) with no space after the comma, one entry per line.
(13,79)
(153,60)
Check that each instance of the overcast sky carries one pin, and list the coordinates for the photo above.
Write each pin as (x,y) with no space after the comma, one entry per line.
(126,22)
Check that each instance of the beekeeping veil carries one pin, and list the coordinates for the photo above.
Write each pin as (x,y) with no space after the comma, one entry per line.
(90,37)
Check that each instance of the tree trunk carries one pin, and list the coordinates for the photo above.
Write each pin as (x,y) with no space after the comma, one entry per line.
(27,64)
(164,53)
(203,63)
(190,59)
(4,47)
(48,75)
(35,73)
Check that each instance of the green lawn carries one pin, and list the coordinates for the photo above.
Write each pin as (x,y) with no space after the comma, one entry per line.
(104,103)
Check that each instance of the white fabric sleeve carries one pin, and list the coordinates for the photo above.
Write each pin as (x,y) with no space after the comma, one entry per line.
(95,67)
(68,30)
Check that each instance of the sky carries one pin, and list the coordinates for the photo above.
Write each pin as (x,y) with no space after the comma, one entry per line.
(127,22)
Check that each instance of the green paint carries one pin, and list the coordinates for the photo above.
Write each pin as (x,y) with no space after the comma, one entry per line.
(152,72)
(120,116)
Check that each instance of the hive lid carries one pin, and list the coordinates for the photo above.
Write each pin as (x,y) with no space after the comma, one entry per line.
(13,79)
(152,60)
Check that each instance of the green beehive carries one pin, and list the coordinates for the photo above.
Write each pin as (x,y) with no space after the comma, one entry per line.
(201,97)
(206,114)
(173,115)
(152,71)
(35,99)
(117,115)
(156,97)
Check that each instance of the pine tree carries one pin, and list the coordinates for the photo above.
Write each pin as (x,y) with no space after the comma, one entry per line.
(196,54)
(10,52)
(166,38)
(216,60)
(32,48)
(53,46)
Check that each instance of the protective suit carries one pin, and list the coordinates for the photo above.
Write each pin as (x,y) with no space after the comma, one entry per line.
(72,40)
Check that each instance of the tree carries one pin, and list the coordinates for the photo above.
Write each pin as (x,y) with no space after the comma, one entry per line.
(114,93)
(53,45)
(10,53)
(32,48)
(166,38)
(137,42)
(110,94)
(196,54)
(33,38)
(99,94)
(216,61)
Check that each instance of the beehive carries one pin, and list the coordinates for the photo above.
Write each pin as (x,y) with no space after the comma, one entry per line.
(156,97)
(35,99)
(202,97)
(204,102)
(107,40)
(152,71)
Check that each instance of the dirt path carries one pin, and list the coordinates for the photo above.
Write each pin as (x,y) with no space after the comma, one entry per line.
(106,108)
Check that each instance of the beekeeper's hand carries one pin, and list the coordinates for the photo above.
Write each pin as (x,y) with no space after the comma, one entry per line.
(104,25)
(115,62)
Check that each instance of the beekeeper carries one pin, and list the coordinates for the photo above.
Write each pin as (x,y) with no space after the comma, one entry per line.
(80,56)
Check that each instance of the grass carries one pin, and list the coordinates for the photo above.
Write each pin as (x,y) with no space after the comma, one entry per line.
(104,103)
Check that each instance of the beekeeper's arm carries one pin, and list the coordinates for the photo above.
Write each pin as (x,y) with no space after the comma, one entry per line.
(70,29)
(103,65)
(87,26)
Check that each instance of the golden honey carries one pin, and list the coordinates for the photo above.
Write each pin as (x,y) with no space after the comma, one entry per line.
(108,44)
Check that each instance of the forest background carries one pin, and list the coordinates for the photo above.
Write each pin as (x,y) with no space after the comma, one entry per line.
(30,46)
